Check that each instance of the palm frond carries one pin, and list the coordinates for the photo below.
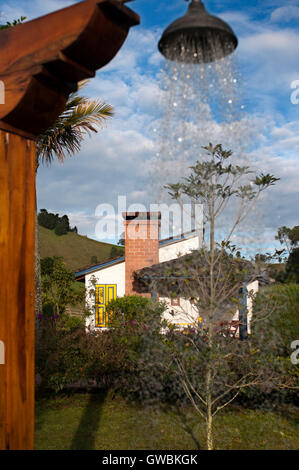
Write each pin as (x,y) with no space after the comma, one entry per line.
(81,116)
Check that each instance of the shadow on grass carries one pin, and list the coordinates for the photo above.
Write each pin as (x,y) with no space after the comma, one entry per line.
(84,438)
(181,418)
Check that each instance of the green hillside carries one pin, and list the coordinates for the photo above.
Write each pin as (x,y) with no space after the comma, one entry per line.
(76,250)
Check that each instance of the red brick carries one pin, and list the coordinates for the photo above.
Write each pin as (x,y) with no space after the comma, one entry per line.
(140,249)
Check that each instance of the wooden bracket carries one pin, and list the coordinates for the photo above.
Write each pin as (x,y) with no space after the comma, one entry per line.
(42,60)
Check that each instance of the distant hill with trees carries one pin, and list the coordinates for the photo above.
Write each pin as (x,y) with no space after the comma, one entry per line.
(77,251)
(61,225)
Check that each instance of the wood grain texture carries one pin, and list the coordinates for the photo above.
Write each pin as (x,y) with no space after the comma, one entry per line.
(17,224)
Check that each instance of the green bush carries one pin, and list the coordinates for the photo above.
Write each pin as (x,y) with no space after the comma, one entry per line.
(131,315)
(66,353)
(122,358)
(279,327)
(46,266)
(133,308)
(148,374)
(58,286)
(61,229)
(282,322)
(72,323)
(292,267)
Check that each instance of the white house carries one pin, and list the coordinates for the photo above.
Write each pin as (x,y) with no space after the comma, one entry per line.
(115,278)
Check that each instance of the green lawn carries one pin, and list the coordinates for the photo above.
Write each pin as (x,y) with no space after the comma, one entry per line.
(94,421)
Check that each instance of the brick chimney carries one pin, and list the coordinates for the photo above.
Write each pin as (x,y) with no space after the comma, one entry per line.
(141,243)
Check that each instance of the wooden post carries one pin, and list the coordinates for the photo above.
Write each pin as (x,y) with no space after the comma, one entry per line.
(17,238)
(41,62)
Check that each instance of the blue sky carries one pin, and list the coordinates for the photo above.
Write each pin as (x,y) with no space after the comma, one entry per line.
(117,160)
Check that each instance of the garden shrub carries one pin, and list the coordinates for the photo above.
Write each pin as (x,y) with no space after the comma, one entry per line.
(282,325)
(292,267)
(148,375)
(67,353)
(279,329)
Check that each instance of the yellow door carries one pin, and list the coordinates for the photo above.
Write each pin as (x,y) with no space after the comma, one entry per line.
(104,293)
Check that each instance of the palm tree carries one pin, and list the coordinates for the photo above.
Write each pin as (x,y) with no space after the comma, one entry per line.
(81,116)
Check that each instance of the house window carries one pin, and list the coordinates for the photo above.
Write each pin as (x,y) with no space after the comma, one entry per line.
(175,302)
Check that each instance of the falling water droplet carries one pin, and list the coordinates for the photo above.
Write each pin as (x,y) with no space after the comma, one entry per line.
(201,102)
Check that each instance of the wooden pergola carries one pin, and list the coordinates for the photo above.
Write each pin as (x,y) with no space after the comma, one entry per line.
(41,62)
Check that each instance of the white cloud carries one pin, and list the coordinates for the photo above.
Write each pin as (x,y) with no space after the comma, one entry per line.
(286,13)
(118,159)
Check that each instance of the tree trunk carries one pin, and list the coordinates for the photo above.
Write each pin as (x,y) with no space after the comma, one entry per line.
(210,443)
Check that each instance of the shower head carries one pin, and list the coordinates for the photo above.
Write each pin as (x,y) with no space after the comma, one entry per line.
(197,37)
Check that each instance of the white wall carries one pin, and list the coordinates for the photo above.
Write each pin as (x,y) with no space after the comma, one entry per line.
(252,290)
(183,315)
(186,314)
(114,274)
(179,248)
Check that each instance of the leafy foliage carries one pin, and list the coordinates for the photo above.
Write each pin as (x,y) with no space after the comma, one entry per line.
(58,287)
(13,23)
(67,353)
(116,252)
(218,178)
(81,116)
(292,266)
(289,237)
(283,323)
(61,225)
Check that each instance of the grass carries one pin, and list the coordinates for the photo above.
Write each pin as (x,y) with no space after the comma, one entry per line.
(76,250)
(97,421)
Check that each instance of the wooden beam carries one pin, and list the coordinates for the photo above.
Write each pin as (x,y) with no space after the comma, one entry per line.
(42,60)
